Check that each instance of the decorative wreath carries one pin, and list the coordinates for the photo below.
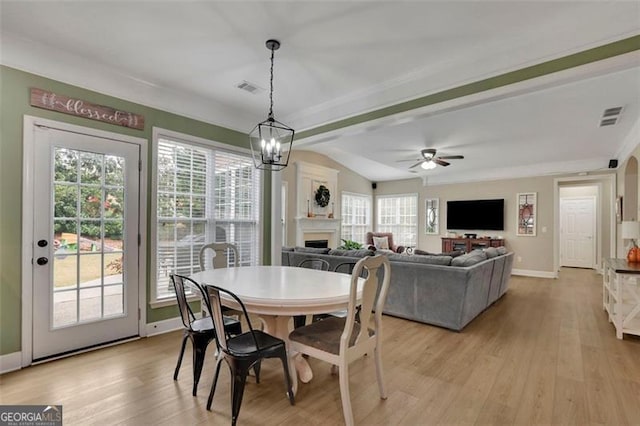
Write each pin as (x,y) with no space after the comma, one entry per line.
(322,196)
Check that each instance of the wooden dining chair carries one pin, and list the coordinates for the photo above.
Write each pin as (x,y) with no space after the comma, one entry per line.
(343,268)
(310,263)
(200,331)
(341,341)
(243,352)
(224,255)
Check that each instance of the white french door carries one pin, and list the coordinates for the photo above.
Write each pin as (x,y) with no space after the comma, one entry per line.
(578,232)
(85,241)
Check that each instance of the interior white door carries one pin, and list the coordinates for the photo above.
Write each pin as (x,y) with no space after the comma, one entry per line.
(577,232)
(85,248)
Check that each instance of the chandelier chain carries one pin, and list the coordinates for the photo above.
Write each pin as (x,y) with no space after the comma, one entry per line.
(271,83)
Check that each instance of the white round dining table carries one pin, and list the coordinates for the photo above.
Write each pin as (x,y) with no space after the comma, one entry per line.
(277,293)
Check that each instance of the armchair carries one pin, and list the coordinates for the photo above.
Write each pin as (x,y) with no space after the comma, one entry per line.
(371,246)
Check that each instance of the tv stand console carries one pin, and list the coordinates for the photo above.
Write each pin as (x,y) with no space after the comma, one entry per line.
(469,244)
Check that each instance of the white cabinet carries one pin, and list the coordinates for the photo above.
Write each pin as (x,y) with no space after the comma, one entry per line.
(621,295)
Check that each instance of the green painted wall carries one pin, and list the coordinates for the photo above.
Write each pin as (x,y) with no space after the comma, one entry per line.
(14,104)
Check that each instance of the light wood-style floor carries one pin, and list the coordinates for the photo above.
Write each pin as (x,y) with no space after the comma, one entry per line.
(544,354)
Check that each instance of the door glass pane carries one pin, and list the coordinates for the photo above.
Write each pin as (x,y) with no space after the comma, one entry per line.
(114,203)
(65,197)
(90,303)
(66,167)
(113,300)
(90,198)
(89,237)
(65,272)
(91,167)
(65,310)
(113,170)
(90,240)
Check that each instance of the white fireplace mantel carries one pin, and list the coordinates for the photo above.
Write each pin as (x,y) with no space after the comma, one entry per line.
(314,225)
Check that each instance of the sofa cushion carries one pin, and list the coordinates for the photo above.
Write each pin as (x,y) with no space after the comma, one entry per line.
(311,250)
(469,259)
(428,260)
(287,248)
(351,253)
(454,253)
(381,243)
(491,252)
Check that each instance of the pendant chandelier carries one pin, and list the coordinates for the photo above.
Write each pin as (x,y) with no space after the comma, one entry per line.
(271,140)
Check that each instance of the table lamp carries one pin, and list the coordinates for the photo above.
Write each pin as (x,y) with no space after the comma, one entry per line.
(631,231)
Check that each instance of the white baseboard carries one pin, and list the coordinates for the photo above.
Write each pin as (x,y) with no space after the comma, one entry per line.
(10,362)
(534,274)
(166,326)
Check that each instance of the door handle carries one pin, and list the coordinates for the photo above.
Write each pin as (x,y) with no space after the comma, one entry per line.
(42,261)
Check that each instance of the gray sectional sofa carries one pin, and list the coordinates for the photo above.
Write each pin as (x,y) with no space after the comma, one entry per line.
(434,289)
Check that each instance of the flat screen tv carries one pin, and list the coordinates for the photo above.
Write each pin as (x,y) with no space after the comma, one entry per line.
(481,215)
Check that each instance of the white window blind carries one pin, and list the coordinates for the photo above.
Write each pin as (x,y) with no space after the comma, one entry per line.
(399,214)
(356,217)
(204,194)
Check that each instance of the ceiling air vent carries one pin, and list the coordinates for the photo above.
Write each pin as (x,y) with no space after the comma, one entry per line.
(611,112)
(249,87)
(610,116)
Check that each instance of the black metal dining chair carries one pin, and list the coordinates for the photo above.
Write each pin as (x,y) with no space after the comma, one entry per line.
(242,352)
(200,331)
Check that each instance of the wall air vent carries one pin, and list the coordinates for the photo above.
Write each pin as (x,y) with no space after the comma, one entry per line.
(608,122)
(249,87)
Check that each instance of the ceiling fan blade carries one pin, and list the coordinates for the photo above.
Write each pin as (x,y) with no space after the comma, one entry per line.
(452,157)
(413,159)
(417,164)
(439,161)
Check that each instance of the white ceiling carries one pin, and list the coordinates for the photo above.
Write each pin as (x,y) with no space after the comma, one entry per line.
(340,59)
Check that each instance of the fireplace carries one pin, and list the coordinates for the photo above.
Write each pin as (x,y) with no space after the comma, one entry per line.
(317,243)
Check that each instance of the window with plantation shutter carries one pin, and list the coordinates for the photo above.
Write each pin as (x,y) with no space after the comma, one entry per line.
(398,214)
(204,194)
(356,217)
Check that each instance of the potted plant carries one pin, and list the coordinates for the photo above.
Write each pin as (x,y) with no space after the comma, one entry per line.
(350,245)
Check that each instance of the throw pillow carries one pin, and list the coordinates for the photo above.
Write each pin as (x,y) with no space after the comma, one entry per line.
(491,252)
(381,243)
(469,259)
(502,250)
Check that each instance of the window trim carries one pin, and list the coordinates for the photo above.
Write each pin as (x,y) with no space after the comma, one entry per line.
(357,194)
(159,133)
(408,194)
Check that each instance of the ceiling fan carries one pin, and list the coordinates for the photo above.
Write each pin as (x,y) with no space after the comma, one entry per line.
(429,159)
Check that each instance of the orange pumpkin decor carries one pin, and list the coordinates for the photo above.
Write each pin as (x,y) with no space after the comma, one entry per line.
(634,255)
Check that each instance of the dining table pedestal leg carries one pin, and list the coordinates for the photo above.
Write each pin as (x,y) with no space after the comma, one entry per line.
(278,326)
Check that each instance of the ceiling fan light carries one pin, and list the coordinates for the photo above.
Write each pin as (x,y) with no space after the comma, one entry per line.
(428,165)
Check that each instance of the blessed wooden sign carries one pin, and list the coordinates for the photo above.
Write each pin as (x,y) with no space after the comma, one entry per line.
(49,100)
